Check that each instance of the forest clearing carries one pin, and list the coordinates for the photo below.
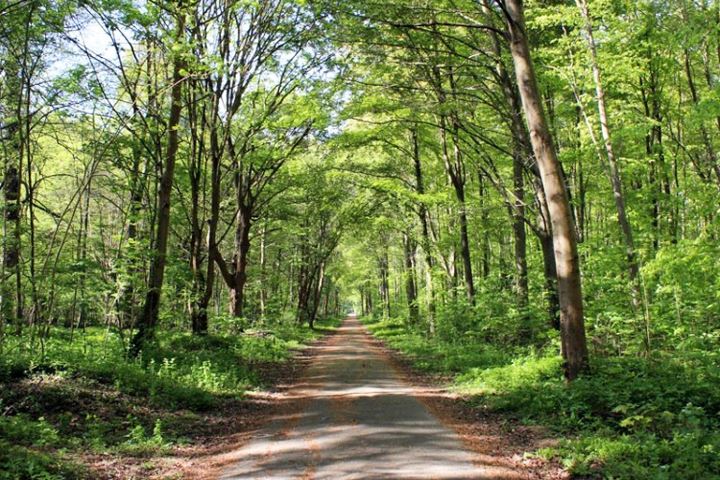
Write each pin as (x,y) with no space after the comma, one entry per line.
(355,239)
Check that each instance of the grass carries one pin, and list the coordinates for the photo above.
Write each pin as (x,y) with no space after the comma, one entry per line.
(84,397)
(632,418)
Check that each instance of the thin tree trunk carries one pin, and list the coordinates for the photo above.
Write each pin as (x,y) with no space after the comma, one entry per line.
(148,320)
(410,286)
(12,240)
(127,304)
(615,180)
(520,151)
(454,169)
(426,240)
(458,160)
(199,321)
(520,236)
(34,312)
(484,215)
(240,262)
(316,291)
(82,318)
(263,261)
(384,283)
(655,152)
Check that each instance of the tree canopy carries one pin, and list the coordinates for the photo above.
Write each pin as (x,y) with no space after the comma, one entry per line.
(539,180)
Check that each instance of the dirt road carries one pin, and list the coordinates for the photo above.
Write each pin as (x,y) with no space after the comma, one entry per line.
(354,417)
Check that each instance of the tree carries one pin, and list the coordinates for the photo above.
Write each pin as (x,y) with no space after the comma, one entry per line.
(574,345)
(148,319)
(614,172)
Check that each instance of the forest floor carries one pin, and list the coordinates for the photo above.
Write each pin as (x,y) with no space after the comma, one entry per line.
(85,411)
(360,411)
(324,404)
(226,430)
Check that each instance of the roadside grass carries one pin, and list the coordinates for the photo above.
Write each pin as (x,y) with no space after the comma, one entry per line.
(632,418)
(86,397)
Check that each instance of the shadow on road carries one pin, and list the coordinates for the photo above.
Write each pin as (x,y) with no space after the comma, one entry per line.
(352,417)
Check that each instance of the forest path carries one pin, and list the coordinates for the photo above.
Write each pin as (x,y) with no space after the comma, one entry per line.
(352,416)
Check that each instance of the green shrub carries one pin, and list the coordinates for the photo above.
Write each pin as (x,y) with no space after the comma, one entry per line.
(631,418)
(180,372)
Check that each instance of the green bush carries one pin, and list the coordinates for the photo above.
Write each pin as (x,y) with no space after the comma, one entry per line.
(179,374)
(24,451)
(631,418)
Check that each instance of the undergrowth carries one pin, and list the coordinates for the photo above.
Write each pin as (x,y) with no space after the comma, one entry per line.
(86,395)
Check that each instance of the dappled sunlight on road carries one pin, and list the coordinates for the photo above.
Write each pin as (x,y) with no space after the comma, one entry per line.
(353,417)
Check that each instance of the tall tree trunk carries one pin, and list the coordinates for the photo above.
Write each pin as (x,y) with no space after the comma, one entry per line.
(523,158)
(459,167)
(520,151)
(455,169)
(198,303)
(581,204)
(426,240)
(200,314)
(316,289)
(457,179)
(85,229)
(485,221)
(520,237)
(574,344)
(263,279)
(197,121)
(240,262)
(11,293)
(384,283)
(149,317)
(128,305)
(615,180)
(464,237)
(34,312)
(11,287)
(657,178)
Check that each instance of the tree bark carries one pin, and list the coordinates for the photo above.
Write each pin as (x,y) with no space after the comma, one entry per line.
(574,344)
(151,308)
(614,171)
(410,286)
(485,223)
(520,154)
(426,240)
(198,254)
(657,177)
(11,293)
(551,283)
(263,278)
(240,262)
(384,283)
(519,235)
(457,179)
